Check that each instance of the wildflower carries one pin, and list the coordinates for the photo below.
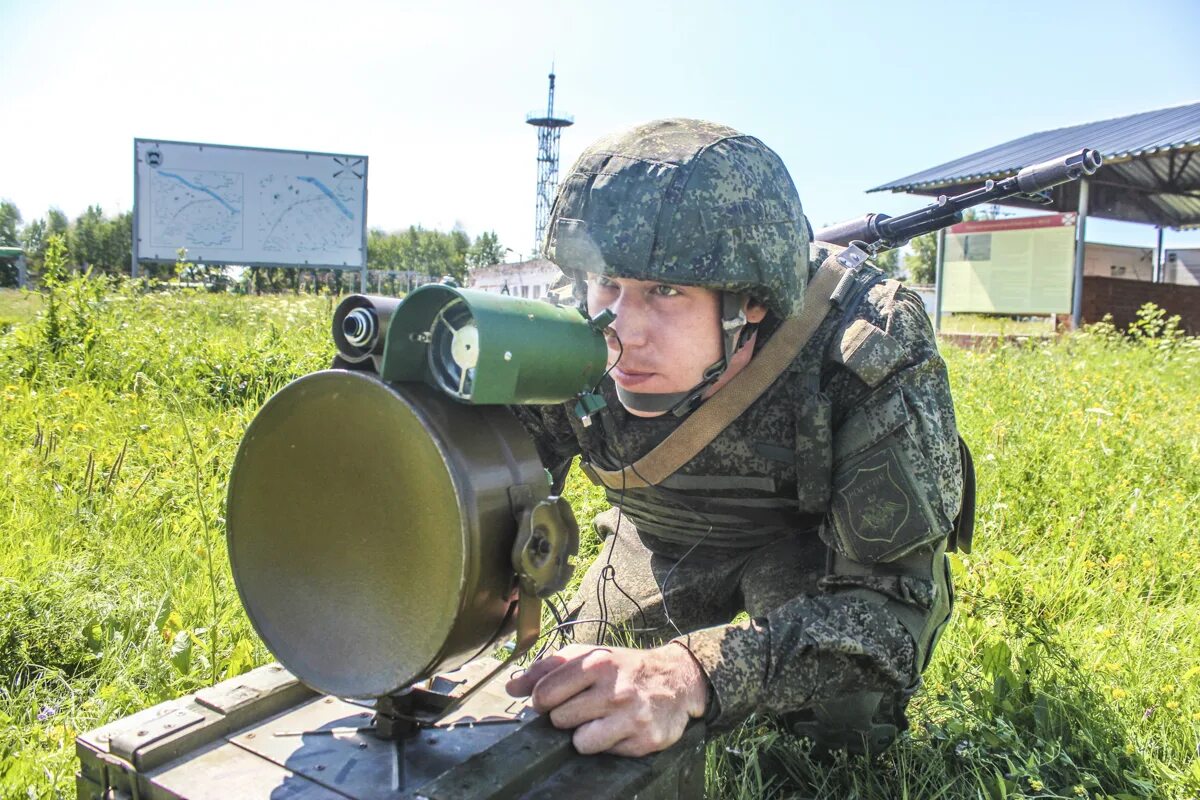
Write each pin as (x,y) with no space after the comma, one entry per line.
(46,713)
(79,427)
(1172,704)
(1117,560)
(1196,717)
(1036,785)
(1118,693)
(1147,564)
(1167,688)
(1079,790)
(1130,749)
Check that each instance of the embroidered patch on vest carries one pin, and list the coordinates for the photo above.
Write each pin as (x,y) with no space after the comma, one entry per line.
(875,504)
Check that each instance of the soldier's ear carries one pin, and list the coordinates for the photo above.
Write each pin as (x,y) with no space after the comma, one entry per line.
(754,310)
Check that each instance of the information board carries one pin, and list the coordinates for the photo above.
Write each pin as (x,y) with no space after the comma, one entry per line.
(248,205)
(1010,266)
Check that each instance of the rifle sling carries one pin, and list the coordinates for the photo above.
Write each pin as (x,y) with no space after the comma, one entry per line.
(715,414)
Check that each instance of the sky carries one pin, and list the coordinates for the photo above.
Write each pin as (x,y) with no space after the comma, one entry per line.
(851,94)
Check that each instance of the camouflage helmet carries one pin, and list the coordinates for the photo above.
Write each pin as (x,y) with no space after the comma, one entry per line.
(686,202)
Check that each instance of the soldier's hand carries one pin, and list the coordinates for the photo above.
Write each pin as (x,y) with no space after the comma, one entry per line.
(619,700)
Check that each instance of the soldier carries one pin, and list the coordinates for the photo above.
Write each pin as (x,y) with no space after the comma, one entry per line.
(823,509)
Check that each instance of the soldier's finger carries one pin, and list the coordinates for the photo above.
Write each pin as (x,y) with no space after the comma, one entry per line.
(522,685)
(570,678)
(634,747)
(599,735)
(583,707)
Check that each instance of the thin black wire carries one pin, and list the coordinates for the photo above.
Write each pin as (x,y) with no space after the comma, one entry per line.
(620,352)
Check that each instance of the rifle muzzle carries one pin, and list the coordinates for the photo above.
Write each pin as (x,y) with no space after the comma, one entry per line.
(1039,177)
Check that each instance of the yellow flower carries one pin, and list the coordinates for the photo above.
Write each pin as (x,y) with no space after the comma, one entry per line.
(1080,791)
(1036,785)
(1130,749)
(1117,560)
(79,427)
(1172,704)
(1196,717)
(1147,564)
(1167,688)
(1118,693)
(12,387)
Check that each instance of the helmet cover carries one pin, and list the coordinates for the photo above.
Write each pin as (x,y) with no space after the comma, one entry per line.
(684,202)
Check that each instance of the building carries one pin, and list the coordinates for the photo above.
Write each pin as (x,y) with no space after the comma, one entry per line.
(532,279)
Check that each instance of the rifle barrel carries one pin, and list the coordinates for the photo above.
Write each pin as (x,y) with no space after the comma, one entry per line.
(883,232)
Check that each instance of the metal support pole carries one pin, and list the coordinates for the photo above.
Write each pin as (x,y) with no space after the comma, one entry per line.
(22,272)
(1080,238)
(1156,275)
(133,250)
(939,280)
(362,284)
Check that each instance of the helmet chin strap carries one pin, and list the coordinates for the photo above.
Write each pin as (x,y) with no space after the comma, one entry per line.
(733,326)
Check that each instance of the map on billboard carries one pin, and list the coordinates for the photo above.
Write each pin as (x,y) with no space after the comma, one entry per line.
(251,206)
(1022,265)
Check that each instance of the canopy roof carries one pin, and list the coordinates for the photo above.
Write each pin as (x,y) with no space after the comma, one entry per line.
(1151,173)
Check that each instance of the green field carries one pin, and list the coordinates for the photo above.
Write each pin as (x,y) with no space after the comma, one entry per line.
(995,324)
(1072,669)
(17,306)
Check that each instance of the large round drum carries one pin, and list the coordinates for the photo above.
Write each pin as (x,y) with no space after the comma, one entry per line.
(370,529)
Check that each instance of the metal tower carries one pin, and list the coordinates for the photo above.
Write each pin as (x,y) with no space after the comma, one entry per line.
(549,127)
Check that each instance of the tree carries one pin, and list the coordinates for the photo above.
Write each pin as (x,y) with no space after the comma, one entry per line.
(888,261)
(922,260)
(486,250)
(10,222)
(36,235)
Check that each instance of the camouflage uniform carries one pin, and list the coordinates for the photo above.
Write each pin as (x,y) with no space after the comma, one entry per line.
(822,510)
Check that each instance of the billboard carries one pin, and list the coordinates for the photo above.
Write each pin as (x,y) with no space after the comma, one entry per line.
(1022,265)
(248,205)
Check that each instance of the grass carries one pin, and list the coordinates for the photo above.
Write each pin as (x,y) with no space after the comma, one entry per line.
(1072,669)
(17,306)
(997,325)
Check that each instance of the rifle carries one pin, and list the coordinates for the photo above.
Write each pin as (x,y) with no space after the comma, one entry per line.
(878,232)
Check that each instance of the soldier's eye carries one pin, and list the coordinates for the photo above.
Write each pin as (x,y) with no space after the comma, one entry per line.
(664,290)
(604,282)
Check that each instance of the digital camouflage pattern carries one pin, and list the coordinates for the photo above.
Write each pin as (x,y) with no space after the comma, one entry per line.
(822,511)
(685,202)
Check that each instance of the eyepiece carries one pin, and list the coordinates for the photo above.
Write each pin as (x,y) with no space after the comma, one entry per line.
(360,326)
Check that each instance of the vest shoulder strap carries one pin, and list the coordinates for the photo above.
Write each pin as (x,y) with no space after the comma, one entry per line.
(714,415)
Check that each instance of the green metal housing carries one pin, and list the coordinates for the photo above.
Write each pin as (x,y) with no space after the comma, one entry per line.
(485,348)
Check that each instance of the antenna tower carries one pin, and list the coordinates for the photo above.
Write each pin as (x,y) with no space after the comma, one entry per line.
(549,127)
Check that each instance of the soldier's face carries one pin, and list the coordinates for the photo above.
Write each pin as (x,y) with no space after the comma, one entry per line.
(668,335)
